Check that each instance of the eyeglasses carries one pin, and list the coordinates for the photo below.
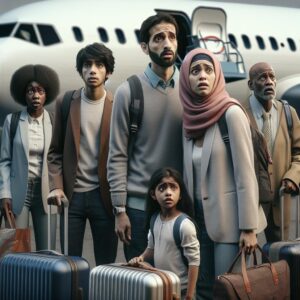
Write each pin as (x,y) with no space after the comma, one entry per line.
(31,91)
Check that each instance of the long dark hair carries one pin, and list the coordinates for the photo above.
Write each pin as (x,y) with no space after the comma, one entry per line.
(185,203)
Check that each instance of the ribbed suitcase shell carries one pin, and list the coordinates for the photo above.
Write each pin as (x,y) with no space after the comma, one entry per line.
(289,251)
(35,276)
(114,282)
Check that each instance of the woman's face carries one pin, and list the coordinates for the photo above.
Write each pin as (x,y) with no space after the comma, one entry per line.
(202,77)
(35,96)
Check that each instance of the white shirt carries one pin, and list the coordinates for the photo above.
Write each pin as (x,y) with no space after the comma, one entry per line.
(166,254)
(36,142)
(257,111)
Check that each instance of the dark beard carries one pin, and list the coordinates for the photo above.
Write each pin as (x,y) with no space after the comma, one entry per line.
(160,61)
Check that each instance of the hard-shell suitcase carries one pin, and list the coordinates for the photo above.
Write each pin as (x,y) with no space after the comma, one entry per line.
(120,282)
(44,275)
(287,250)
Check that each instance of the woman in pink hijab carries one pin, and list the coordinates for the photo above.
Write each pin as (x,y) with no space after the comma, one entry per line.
(222,183)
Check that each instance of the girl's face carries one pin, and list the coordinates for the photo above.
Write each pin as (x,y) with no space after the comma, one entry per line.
(202,77)
(167,193)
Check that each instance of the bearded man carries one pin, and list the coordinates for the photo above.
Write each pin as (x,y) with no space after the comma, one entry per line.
(158,141)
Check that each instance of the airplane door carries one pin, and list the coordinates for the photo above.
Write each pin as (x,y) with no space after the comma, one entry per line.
(209,27)
(209,24)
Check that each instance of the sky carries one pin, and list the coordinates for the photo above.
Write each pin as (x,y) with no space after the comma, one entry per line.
(6,5)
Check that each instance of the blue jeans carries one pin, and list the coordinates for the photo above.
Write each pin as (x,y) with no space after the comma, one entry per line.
(88,205)
(139,233)
(216,258)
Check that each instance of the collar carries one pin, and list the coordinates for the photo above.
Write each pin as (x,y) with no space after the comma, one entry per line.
(258,109)
(86,99)
(38,120)
(156,81)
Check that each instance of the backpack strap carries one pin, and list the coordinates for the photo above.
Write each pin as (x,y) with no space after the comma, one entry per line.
(288,116)
(65,108)
(15,117)
(136,109)
(224,132)
(51,116)
(152,221)
(176,235)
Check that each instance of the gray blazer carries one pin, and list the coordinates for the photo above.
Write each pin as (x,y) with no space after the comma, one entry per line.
(14,174)
(229,188)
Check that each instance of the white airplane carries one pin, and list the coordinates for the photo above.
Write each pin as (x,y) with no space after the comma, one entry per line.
(52,32)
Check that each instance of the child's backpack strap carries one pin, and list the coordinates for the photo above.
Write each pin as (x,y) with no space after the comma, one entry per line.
(176,235)
(136,109)
(288,115)
(15,117)
(152,221)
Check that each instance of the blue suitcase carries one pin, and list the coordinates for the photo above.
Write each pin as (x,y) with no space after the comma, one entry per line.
(289,251)
(44,275)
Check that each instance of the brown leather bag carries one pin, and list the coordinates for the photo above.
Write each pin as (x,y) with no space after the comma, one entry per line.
(14,239)
(269,281)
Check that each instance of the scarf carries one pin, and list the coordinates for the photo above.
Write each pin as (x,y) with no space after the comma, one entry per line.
(200,115)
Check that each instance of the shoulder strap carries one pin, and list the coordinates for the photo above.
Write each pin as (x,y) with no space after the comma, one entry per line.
(224,132)
(65,108)
(15,117)
(136,109)
(152,221)
(288,115)
(51,116)
(176,235)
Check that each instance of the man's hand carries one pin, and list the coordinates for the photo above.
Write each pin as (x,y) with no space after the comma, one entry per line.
(55,197)
(123,227)
(290,187)
(248,240)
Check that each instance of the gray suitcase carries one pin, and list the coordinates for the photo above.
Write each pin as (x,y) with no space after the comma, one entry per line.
(122,282)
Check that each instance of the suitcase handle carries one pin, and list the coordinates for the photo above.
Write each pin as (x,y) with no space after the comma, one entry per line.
(65,204)
(281,197)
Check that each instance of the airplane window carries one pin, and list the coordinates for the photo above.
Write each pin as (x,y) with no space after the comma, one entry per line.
(103,35)
(260,42)
(120,36)
(6,29)
(232,40)
(26,32)
(291,44)
(77,33)
(48,35)
(246,41)
(273,43)
(137,34)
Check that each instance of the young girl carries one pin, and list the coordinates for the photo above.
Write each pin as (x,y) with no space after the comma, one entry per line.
(168,198)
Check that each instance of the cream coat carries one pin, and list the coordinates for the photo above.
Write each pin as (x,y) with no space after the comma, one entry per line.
(286,159)
(229,190)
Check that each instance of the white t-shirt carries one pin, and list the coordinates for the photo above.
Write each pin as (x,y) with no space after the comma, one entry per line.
(166,254)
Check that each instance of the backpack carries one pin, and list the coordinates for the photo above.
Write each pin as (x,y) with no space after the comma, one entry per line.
(65,108)
(15,117)
(262,157)
(176,231)
(136,109)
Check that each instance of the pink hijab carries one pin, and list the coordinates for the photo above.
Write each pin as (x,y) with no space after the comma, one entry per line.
(198,116)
